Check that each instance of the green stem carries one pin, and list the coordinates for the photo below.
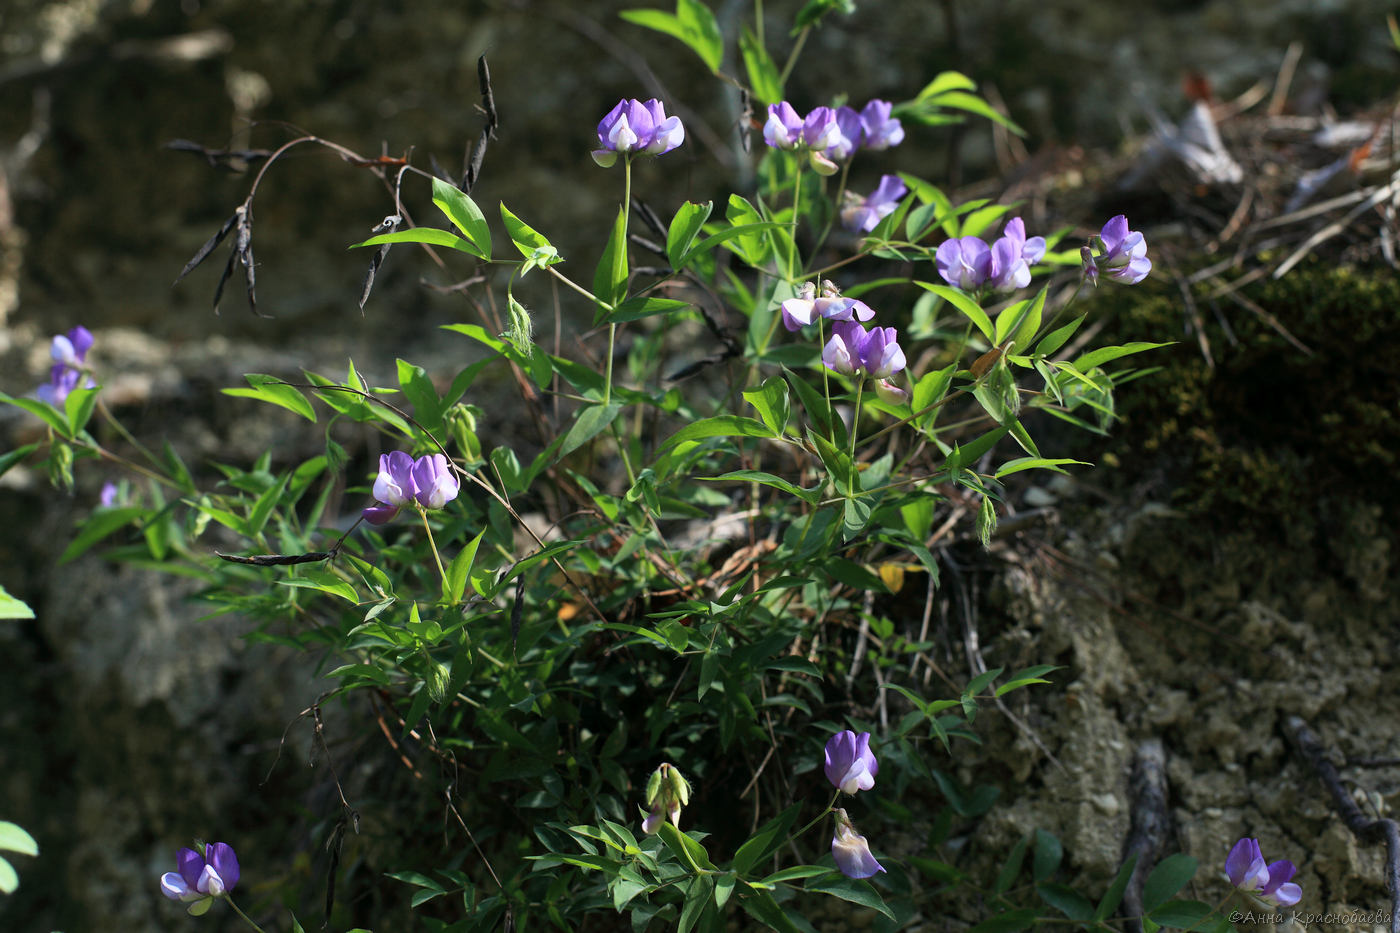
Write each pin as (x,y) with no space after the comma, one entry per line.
(793,264)
(612,325)
(819,817)
(422,513)
(246,919)
(855,425)
(840,193)
(792,57)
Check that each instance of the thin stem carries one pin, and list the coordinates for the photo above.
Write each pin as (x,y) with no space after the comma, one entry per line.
(855,424)
(626,217)
(437,559)
(831,220)
(793,264)
(792,57)
(819,817)
(246,919)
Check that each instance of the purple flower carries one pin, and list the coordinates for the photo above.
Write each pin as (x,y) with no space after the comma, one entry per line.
(784,127)
(108,496)
(633,126)
(69,353)
(1125,252)
(849,135)
(851,851)
(1245,868)
(806,307)
(667,791)
(819,129)
(850,764)
(881,358)
(881,130)
(842,351)
(429,481)
(964,262)
(863,214)
(1013,255)
(201,877)
(434,483)
(1280,890)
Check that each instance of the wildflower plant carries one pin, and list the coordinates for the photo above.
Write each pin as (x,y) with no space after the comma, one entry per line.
(555,663)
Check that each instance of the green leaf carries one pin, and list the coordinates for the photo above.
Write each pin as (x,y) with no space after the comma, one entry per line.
(78,407)
(465,216)
(718,426)
(325,582)
(794,873)
(429,235)
(960,100)
(12,608)
(1020,322)
(692,23)
(686,849)
(1105,354)
(263,506)
(454,586)
(761,906)
(764,79)
(1114,895)
(537,250)
(1048,854)
(13,838)
(771,400)
(8,460)
(697,898)
(610,278)
(1035,463)
(850,889)
(766,841)
(811,14)
(100,525)
(634,309)
(275,391)
(591,421)
(479,334)
(50,415)
(964,303)
(1057,337)
(1067,901)
(944,82)
(9,878)
(1184,914)
(1170,876)
(685,226)
(1024,678)
(420,392)
(1012,867)
(810,496)
(724,887)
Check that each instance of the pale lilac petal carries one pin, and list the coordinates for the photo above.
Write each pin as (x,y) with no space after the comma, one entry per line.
(174,887)
(434,481)
(850,850)
(394,484)
(797,313)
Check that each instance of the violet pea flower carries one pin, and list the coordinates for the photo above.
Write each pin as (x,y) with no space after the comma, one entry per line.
(1245,867)
(394,487)
(1013,255)
(851,851)
(964,262)
(1089,269)
(784,127)
(862,214)
(636,127)
(881,130)
(850,764)
(842,352)
(69,352)
(434,483)
(807,307)
(1281,891)
(1125,252)
(201,877)
(881,357)
(849,135)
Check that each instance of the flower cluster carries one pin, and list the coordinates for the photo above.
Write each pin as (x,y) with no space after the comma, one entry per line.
(636,127)
(429,481)
(970,263)
(832,135)
(808,306)
(201,878)
(1245,868)
(667,792)
(1123,254)
(852,350)
(69,353)
(861,214)
(851,767)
